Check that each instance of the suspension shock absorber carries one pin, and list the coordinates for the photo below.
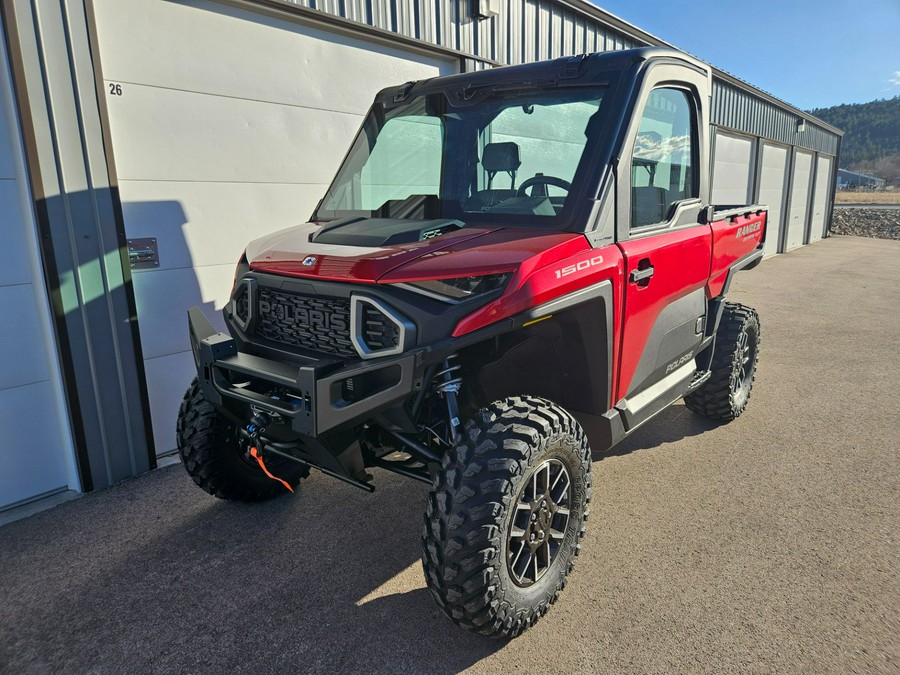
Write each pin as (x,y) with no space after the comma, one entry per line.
(447,383)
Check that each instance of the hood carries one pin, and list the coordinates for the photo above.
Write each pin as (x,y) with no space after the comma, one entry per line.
(501,250)
(361,250)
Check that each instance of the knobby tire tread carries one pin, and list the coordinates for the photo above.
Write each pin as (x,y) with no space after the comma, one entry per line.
(715,399)
(465,510)
(209,453)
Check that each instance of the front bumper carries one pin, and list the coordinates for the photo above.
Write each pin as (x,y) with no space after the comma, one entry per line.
(313,397)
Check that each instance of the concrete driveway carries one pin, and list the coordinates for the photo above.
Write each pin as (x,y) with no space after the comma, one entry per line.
(769,544)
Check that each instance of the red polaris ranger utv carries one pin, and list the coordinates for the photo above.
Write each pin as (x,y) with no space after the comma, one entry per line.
(505,259)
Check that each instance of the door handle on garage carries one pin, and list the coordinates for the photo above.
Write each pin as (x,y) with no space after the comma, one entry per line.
(641,274)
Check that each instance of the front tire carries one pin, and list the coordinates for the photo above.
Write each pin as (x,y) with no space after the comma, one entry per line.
(213,457)
(506,514)
(725,395)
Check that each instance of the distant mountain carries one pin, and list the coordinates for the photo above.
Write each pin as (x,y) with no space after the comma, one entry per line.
(872,131)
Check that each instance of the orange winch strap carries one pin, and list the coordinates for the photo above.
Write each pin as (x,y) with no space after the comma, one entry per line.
(255,453)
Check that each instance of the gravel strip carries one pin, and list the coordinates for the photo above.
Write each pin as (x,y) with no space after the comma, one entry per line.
(862,222)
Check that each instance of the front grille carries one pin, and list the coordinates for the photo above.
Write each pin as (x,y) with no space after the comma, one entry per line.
(313,323)
(379,332)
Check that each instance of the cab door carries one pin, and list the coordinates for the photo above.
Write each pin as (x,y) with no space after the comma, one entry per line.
(667,251)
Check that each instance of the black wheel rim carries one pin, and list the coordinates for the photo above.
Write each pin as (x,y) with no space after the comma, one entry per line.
(744,363)
(538,525)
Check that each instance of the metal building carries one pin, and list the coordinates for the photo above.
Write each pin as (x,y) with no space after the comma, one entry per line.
(851,179)
(143,143)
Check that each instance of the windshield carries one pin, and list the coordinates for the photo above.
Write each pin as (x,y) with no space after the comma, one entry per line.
(509,155)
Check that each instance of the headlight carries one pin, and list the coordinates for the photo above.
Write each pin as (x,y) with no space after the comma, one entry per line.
(460,288)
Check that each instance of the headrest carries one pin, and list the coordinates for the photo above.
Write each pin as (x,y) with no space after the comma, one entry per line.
(500,157)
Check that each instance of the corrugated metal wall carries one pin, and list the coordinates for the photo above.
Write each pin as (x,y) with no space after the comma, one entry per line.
(536,30)
(525,31)
(741,110)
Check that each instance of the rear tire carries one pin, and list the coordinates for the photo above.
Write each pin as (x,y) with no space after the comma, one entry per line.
(506,514)
(726,393)
(209,449)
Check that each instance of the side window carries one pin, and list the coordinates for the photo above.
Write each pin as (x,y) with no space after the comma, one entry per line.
(661,172)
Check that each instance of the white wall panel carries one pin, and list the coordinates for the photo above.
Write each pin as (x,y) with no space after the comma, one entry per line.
(772,192)
(799,209)
(23,359)
(732,169)
(164,297)
(238,53)
(820,197)
(200,224)
(167,134)
(15,265)
(228,128)
(32,459)
(167,379)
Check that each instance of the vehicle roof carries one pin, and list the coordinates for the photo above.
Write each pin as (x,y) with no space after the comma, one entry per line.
(586,64)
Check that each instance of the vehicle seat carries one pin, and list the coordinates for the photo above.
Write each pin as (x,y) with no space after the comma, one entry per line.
(496,157)
(649,205)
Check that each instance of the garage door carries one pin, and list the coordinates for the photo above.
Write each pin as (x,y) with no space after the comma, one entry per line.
(36,457)
(799,208)
(225,125)
(732,173)
(772,191)
(820,198)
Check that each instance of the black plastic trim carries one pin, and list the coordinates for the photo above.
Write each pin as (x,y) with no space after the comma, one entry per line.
(748,262)
(724,212)
(313,412)
(672,338)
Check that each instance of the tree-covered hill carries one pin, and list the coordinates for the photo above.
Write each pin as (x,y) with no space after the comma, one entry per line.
(872,130)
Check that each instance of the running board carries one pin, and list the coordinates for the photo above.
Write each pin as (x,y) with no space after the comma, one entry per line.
(640,408)
(606,430)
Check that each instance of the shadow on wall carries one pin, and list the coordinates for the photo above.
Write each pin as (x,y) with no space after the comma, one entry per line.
(163,295)
(95,321)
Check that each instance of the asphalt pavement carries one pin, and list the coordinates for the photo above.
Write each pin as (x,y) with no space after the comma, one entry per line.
(764,545)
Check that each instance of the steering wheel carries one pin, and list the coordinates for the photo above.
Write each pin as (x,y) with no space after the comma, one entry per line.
(542,180)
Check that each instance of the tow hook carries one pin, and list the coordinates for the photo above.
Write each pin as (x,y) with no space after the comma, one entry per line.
(251,434)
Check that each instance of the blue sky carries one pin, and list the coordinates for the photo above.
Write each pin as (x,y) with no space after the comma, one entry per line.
(810,53)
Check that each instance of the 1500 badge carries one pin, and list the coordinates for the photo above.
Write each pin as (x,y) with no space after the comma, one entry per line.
(583,265)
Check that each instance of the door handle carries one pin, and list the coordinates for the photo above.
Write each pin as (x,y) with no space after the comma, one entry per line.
(639,275)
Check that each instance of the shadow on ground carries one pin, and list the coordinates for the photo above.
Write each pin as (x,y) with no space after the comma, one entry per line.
(155,575)
(673,424)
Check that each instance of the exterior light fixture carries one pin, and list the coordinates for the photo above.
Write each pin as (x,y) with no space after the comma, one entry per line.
(485,9)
